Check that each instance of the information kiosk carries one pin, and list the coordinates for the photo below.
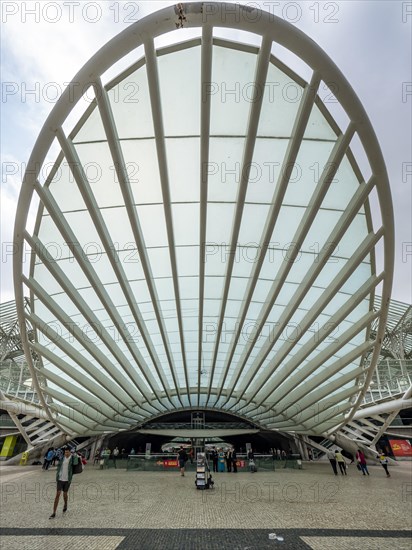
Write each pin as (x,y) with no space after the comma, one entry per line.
(203,478)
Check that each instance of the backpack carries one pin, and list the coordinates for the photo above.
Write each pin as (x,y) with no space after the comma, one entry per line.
(183,456)
(78,468)
(50,455)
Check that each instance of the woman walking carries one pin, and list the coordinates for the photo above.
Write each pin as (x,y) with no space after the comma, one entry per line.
(341,462)
(383,459)
(360,457)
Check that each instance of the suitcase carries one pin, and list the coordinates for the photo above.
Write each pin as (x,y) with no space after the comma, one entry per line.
(252,466)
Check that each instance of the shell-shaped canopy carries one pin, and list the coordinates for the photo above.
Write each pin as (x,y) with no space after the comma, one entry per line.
(204,239)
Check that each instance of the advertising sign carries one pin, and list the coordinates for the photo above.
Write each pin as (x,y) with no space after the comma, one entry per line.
(167,463)
(401,447)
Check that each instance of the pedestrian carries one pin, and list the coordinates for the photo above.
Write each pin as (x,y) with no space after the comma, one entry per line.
(360,457)
(58,453)
(221,461)
(234,461)
(332,460)
(310,455)
(63,478)
(182,459)
(114,456)
(96,457)
(252,465)
(215,459)
(228,459)
(383,459)
(48,458)
(341,461)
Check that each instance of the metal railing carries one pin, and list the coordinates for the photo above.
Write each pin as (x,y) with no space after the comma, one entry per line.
(391,379)
(6,422)
(389,389)
(189,426)
(12,388)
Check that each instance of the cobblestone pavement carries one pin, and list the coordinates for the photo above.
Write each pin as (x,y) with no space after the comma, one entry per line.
(116,509)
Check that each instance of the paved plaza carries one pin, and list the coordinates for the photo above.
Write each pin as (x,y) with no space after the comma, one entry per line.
(290,509)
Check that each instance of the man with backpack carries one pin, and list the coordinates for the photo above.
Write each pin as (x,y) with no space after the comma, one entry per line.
(64,476)
(182,459)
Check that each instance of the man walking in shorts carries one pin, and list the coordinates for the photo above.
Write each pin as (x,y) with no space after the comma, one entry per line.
(64,477)
(182,459)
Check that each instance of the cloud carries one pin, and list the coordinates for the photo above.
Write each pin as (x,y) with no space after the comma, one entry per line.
(7,213)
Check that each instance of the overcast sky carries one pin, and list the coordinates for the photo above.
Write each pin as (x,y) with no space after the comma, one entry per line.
(44,44)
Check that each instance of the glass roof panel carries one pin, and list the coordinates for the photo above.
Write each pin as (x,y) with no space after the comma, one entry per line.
(268,157)
(86,233)
(52,240)
(224,168)
(58,187)
(253,225)
(130,104)
(183,170)
(220,217)
(186,224)
(153,224)
(349,242)
(140,157)
(180,96)
(231,91)
(344,185)
(280,104)
(187,260)
(318,127)
(92,128)
(98,165)
(310,162)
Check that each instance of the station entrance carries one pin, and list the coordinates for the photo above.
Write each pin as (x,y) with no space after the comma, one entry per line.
(200,429)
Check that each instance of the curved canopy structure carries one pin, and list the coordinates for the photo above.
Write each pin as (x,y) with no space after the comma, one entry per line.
(204,239)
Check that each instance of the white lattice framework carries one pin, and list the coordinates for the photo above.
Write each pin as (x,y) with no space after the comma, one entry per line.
(203,288)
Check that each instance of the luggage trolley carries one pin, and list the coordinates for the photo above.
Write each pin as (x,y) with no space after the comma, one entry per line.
(203,477)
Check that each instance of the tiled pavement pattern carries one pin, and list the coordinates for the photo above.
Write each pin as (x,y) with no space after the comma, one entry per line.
(214,539)
(115,509)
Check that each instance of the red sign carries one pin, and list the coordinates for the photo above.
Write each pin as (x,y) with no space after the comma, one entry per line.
(170,463)
(401,447)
